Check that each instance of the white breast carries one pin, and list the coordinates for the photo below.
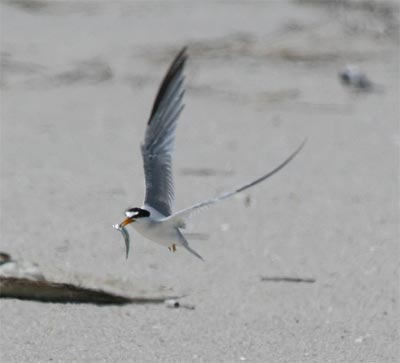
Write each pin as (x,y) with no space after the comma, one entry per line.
(155,230)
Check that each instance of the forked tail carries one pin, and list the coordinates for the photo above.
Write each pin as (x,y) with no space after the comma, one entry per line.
(185,244)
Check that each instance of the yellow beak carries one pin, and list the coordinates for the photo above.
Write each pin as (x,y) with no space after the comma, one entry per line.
(127,221)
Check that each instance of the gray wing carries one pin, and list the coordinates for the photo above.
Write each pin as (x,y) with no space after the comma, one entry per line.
(160,136)
(180,217)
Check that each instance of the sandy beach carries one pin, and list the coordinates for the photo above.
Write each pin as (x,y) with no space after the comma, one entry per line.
(302,268)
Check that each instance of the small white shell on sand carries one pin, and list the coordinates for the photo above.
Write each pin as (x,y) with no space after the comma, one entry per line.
(172,303)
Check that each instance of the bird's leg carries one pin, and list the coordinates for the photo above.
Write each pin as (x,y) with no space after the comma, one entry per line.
(172,248)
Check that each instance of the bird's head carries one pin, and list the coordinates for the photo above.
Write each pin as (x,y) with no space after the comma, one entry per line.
(132,214)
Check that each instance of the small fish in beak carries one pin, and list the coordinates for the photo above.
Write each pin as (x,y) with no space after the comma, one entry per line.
(125,234)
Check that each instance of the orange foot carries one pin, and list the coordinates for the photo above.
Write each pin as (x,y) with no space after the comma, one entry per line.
(172,248)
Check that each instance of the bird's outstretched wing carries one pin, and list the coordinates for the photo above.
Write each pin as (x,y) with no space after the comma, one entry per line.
(180,217)
(160,136)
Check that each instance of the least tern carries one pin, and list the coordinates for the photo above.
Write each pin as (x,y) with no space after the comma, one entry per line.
(155,219)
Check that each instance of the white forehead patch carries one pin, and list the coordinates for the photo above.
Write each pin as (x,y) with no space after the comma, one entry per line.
(130,214)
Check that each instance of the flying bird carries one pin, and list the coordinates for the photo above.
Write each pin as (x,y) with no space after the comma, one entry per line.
(155,220)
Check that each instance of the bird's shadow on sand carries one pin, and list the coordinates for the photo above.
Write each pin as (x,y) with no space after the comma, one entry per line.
(54,292)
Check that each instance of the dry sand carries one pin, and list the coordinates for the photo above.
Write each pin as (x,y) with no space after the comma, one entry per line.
(78,81)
